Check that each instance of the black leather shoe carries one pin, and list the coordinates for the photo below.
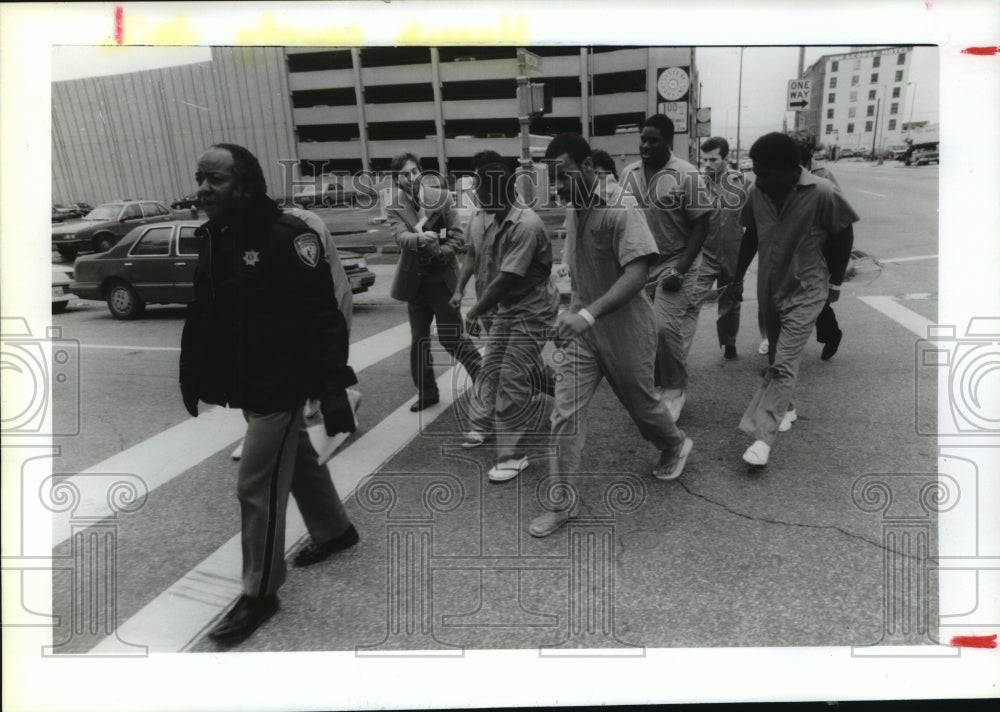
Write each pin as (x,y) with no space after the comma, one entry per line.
(729,353)
(249,613)
(312,553)
(424,403)
(831,346)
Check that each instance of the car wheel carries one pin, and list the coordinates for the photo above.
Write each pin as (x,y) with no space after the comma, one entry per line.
(104,242)
(59,307)
(69,252)
(123,302)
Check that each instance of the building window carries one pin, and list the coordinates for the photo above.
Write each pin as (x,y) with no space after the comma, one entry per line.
(874,79)
(854,96)
(902,58)
(871,110)
(850,128)
(830,98)
(868,127)
(899,75)
(829,113)
(829,128)
(892,124)
(895,92)
(852,111)
(854,80)
(871,95)
(894,108)
(857,64)
(833,82)
(834,65)
(876,61)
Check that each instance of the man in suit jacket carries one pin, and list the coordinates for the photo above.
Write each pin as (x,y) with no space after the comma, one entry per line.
(425,224)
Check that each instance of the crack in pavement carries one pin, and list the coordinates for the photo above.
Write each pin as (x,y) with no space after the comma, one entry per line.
(796,524)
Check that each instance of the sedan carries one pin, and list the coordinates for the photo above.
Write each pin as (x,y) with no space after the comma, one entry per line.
(61,294)
(103,226)
(154,264)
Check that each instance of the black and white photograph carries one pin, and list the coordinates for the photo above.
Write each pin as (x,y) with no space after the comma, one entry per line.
(408,355)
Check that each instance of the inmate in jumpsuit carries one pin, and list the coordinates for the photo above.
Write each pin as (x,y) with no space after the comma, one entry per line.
(673,199)
(721,252)
(792,285)
(620,346)
(512,365)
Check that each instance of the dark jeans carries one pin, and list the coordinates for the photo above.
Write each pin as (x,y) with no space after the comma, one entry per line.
(431,303)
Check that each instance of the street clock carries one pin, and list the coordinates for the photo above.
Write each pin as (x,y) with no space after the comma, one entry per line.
(673,83)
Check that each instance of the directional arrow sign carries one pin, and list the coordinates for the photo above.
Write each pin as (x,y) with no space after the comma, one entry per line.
(798,94)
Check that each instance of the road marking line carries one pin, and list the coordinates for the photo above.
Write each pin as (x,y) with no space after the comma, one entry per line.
(159,459)
(178,617)
(895,260)
(899,314)
(129,348)
(871,193)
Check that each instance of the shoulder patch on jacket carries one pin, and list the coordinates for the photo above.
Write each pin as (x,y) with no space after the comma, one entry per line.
(307,248)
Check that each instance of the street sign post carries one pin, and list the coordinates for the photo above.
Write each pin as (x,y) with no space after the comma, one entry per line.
(798,94)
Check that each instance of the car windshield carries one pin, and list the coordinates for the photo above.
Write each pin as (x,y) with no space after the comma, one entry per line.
(108,211)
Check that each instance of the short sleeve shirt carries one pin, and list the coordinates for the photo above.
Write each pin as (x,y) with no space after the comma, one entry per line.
(605,238)
(673,199)
(519,245)
(725,232)
(790,240)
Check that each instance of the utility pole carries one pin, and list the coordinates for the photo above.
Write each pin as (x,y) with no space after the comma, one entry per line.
(739,108)
(878,108)
(802,68)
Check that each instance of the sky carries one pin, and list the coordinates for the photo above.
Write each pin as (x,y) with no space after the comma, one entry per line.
(766,71)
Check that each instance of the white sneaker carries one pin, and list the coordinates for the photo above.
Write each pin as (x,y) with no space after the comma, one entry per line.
(507,470)
(675,404)
(238,452)
(474,438)
(757,454)
(786,422)
(762,349)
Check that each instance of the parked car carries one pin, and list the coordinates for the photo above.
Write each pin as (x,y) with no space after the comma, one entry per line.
(185,203)
(360,276)
(746,164)
(847,153)
(61,294)
(922,154)
(103,226)
(154,264)
(334,191)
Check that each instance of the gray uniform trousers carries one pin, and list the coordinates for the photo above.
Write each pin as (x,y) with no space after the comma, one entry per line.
(279,458)
(676,321)
(789,327)
(629,370)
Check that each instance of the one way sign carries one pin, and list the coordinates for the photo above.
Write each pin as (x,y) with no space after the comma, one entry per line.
(798,94)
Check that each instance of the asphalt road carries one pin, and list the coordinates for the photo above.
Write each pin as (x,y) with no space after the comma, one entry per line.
(786,556)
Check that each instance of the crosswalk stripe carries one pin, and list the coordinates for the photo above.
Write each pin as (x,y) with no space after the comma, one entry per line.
(899,314)
(166,455)
(177,618)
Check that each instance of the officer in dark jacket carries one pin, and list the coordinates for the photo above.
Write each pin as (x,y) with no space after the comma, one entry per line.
(264,334)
